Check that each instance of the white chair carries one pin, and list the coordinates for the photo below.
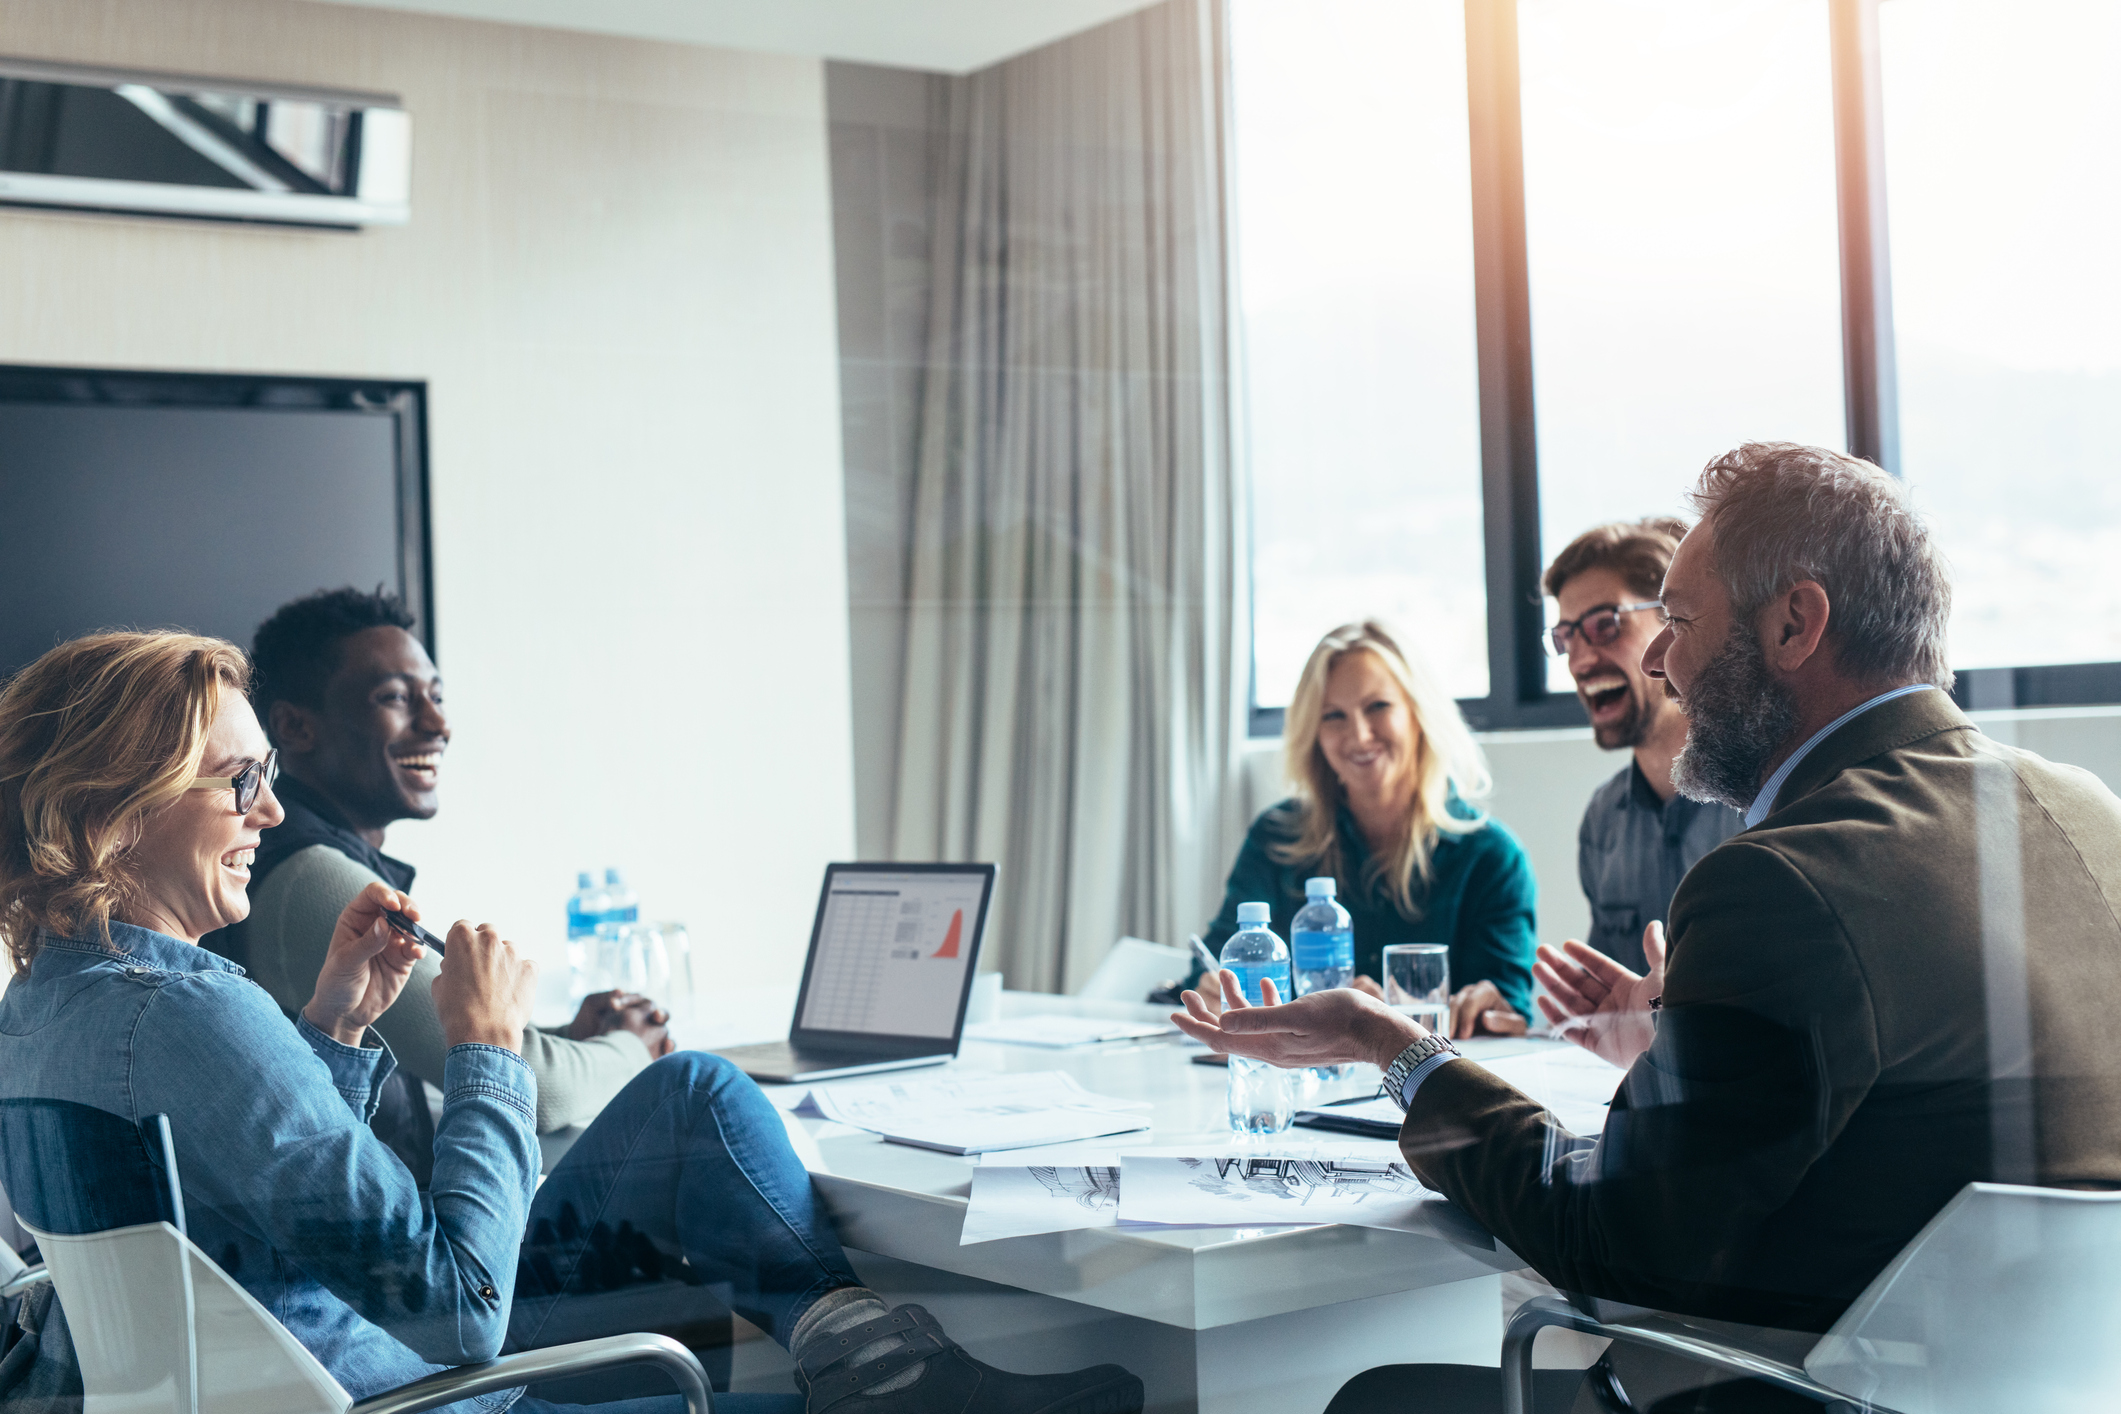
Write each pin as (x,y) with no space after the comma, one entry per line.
(158,1328)
(1133,969)
(2009,1299)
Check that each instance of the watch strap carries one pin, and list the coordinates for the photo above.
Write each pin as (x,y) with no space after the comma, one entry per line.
(1395,1082)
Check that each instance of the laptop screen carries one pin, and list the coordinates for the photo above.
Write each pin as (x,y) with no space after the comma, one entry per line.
(893,949)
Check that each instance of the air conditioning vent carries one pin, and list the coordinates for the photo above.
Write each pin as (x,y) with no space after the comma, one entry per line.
(165,145)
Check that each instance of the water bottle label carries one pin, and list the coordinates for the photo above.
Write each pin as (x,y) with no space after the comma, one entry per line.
(1316,952)
(1248,979)
(579,923)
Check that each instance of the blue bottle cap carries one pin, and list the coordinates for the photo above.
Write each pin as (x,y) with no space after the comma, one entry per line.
(1320,888)
(1249,913)
(581,880)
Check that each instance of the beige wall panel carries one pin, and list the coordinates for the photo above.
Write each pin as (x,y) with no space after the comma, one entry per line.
(617,284)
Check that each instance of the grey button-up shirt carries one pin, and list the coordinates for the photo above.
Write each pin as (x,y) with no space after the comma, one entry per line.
(1631,853)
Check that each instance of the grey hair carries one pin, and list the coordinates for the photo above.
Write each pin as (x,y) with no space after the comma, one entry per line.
(1785,513)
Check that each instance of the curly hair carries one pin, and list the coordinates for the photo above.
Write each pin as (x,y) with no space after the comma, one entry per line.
(94,735)
(295,652)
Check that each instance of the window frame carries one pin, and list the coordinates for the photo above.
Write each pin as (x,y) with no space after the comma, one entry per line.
(1518,697)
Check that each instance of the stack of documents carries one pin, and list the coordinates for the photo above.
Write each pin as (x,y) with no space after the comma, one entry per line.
(1353,1175)
(1302,1183)
(975,1114)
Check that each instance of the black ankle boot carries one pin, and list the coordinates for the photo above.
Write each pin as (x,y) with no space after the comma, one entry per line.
(952,1382)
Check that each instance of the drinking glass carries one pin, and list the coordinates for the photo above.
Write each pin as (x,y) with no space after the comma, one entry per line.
(631,958)
(1418,983)
(677,949)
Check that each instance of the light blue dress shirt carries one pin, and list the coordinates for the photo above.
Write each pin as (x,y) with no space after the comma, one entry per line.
(1765,801)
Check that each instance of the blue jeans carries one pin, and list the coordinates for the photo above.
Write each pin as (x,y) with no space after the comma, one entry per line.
(686,1179)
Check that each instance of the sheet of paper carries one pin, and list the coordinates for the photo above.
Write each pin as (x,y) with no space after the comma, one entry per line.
(1066,1187)
(1056,1032)
(868,1103)
(1243,1191)
(1576,1085)
(1017,1200)
(975,1112)
(1292,1144)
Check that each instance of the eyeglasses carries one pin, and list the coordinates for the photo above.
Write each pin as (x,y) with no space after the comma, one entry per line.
(246,783)
(1599,626)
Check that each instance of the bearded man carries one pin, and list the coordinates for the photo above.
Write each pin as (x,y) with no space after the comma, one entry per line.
(1900,978)
(1639,835)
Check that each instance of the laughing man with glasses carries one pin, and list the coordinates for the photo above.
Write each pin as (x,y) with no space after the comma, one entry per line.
(1639,836)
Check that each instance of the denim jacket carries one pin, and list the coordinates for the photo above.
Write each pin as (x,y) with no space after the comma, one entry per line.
(284,1185)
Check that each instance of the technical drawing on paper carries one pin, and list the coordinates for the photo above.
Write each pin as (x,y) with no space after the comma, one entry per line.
(1010,1200)
(1300,1182)
(1093,1187)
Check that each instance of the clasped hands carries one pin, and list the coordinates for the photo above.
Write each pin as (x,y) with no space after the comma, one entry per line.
(1593,1001)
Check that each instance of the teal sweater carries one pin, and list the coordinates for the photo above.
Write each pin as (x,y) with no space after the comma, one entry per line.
(1479,900)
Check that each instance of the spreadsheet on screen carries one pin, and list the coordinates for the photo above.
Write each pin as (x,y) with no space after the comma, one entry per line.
(892,952)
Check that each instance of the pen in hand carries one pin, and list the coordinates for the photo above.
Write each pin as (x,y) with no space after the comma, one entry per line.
(1207,959)
(411,929)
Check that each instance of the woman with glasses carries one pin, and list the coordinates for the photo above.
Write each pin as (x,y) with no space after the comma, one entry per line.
(1385,772)
(134,783)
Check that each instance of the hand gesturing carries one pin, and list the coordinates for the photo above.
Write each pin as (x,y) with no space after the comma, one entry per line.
(1599,1004)
(365,967)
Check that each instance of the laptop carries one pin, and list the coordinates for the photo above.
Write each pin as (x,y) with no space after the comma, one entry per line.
(893,950)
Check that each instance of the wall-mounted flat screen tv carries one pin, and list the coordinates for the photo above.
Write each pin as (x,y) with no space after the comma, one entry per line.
(202,501)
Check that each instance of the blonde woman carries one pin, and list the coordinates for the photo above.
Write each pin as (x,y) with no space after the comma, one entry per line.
(1385,773)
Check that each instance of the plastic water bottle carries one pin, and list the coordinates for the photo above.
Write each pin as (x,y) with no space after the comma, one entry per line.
(618,964)
(585,910)
(1260,1097)
(624,905)
(1322,944)
(1322,938)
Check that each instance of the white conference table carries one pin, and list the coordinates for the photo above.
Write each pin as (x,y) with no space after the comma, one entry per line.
(1221,1319)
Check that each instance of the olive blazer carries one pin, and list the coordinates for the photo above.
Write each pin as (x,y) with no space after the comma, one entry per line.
(1905,978)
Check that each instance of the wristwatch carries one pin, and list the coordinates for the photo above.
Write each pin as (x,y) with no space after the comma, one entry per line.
(1397,1072)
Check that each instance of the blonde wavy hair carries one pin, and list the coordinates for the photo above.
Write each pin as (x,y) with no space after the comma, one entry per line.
(1445,755)
(93,736)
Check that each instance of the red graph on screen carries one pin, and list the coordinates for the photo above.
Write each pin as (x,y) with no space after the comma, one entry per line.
(951,938)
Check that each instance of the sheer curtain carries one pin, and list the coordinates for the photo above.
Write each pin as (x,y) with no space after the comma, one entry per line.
(1073,688)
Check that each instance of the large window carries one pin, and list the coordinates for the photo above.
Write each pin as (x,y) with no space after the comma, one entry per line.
(1680,243)
(2003,166)
(1355,259)
(1510,268)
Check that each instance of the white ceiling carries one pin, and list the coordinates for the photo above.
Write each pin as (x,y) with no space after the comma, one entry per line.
(954,36)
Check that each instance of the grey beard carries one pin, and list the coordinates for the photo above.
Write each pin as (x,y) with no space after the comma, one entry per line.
(1737,717)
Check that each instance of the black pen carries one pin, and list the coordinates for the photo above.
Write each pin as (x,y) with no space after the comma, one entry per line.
(411,929)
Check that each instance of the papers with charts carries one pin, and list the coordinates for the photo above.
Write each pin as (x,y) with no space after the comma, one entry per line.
(973,1114)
